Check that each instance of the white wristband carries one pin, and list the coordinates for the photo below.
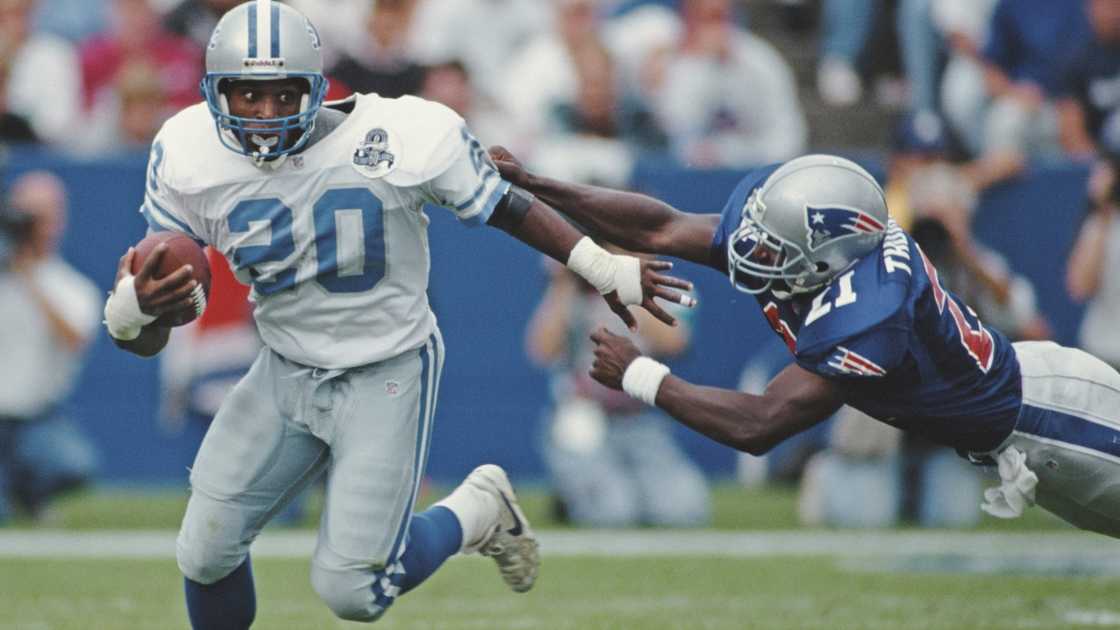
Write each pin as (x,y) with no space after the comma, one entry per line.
(606,271)
(123,316)
(642,379)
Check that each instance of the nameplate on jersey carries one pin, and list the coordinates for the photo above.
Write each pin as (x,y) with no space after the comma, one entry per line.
(377,154)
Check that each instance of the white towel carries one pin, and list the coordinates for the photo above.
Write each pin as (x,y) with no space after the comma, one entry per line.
(1015,493)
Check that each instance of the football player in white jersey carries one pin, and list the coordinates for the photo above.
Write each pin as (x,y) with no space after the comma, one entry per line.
(319,208)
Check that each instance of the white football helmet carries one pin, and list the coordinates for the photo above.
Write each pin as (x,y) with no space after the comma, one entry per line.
(262,40)
(810,220)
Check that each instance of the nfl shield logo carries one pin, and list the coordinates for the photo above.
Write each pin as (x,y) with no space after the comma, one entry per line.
(392,388)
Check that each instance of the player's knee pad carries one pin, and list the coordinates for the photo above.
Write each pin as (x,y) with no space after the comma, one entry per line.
(349,593)
(207,563)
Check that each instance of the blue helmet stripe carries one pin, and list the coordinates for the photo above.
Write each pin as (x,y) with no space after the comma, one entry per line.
(275,30)
(252,22)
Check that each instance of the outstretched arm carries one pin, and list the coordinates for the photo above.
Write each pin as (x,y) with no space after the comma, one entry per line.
(623,280)
(633,221)
(794,401)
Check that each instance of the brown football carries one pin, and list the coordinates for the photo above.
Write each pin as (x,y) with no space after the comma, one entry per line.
(181,250)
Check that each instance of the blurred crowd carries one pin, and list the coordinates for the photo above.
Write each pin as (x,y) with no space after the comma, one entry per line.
(582,88)
(974,92)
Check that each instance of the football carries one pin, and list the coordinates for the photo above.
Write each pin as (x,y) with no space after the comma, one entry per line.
(181,250)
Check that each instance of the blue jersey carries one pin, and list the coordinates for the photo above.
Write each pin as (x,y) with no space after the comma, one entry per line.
(900,347)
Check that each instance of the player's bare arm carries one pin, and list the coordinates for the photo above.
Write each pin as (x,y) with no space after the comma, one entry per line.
(633,221)
(153,297)
(539,226)
(794,401)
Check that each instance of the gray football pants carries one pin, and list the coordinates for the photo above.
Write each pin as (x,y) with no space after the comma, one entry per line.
(369,426)
(1069,429)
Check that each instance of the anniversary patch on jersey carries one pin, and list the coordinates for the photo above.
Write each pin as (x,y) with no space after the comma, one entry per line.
(377,154)
(847,362)
(825,223)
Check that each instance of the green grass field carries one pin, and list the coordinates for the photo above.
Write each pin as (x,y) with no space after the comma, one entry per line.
(733,508)
(1028,584)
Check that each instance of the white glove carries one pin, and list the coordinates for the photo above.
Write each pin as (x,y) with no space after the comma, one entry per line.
(1016,492)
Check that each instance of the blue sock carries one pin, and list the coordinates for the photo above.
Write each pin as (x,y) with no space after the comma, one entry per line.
(434,535)
(228,604)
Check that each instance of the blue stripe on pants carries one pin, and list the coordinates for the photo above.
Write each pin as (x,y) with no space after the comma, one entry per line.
(1069,429)
(387,582)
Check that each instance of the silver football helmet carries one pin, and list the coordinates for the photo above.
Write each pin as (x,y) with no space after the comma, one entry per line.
(263,40)
(810,220)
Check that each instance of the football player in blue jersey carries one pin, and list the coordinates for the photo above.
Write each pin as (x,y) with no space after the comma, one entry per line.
(869,325)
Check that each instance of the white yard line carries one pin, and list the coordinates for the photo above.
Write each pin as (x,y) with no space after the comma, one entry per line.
(625,543)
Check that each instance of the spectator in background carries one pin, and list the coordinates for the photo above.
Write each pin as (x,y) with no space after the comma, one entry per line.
(1091,272)
(386,65)
(935,199)
(612,462)
(543,73)
(727,97)
(451,83)
(44,79)
(50,313)
(597,137)
(73,20)
(195,19)
(1026,41)
(129,116)
(921,49)
(963,25)
(14,129)
(848,42)
(136,35)
(341,25)
(1088,90)
(449,30)
(919,154)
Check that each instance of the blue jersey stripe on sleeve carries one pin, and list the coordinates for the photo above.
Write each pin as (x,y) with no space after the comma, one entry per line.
(154,225)
(163,216)
(483,215)
(477,192)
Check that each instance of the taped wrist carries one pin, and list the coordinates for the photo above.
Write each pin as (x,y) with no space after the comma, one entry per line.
(511,209)
(642,379)
(123,316)
(606,271)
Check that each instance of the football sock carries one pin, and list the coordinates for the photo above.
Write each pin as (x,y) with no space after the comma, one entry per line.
(434,535)
(228,604)
(474,509)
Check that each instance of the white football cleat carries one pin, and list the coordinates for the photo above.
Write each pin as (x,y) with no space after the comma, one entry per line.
(511,542)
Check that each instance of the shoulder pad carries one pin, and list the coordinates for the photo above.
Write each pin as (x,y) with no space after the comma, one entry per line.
(193,158)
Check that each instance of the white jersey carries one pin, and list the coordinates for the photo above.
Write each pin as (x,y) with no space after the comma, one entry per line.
(334,240)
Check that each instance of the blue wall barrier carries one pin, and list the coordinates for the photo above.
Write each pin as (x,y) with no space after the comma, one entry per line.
(484,287)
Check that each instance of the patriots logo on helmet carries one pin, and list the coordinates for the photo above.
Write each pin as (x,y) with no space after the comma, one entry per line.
(830,222)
